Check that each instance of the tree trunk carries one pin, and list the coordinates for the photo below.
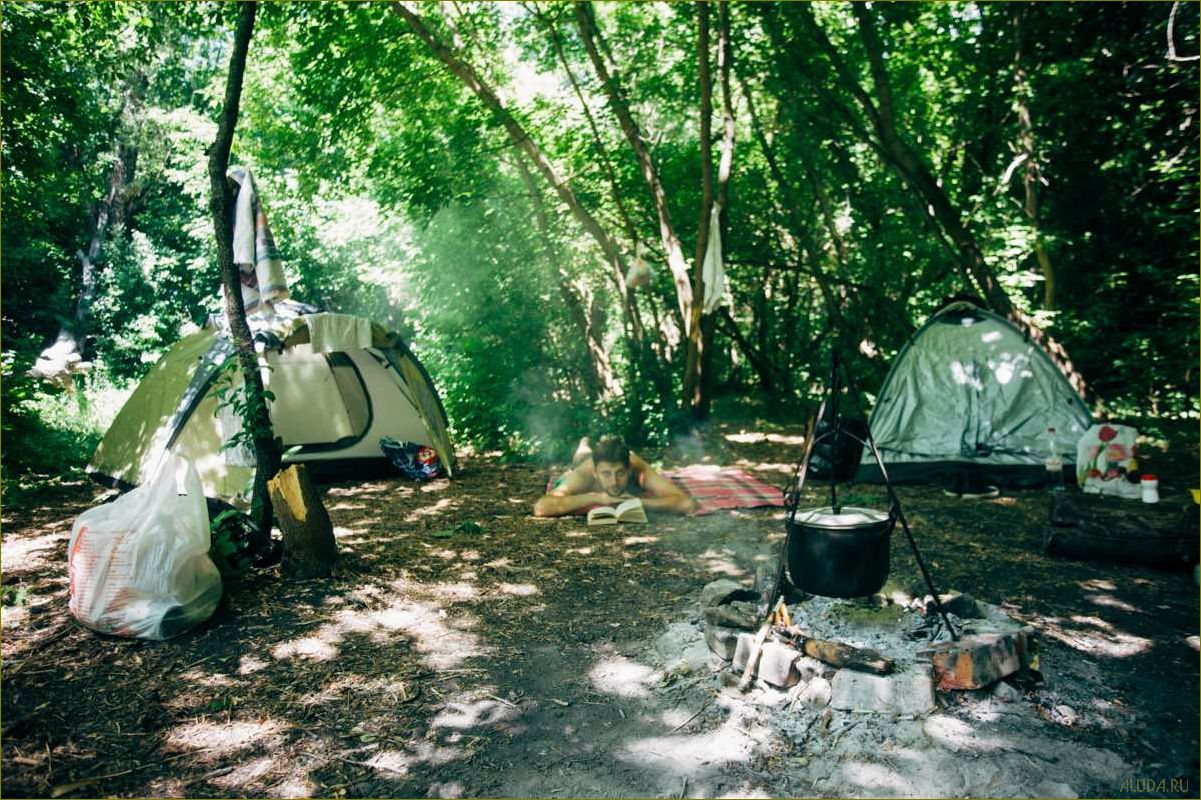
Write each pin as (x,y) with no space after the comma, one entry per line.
(792,210)
(598,143)
(310,550)
(881,134)
(70,346)
(600,380)
(758,359)
(725,167)
(694,378)
(1092,527)
(266,454)
(910,164)
(915,171)
(1032,175)
(113,209)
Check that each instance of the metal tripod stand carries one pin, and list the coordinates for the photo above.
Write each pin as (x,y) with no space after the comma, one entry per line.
(793,493)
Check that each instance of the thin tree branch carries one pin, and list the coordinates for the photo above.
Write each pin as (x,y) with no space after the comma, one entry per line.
(597,141)
(524,143)
(1171,38)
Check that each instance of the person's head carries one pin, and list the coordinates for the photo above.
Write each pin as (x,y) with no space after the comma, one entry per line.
(611,460)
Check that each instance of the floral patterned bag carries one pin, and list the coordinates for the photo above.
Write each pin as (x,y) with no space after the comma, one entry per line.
(1107,463)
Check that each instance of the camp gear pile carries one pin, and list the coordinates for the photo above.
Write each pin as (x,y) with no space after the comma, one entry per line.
(415,461)
(1106,461)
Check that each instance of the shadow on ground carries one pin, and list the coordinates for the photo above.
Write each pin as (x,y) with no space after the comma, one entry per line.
(546,658)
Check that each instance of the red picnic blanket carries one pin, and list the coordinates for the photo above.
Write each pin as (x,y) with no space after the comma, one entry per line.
(721,488)
(716,488)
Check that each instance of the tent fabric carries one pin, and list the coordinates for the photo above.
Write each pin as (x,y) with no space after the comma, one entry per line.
(331,408)
(969,388)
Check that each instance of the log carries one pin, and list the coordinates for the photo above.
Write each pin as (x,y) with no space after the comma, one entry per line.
(309,547)
(837,654)
(1093,527)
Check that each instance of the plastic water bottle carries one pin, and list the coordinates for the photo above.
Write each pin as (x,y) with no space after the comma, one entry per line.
(1054,464)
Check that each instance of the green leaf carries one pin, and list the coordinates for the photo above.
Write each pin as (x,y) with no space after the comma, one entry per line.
(16,597)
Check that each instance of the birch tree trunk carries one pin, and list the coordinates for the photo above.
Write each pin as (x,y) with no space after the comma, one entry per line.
(695,396)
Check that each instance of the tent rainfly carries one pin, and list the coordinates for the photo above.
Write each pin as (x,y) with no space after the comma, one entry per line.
(970,389)
(339,382)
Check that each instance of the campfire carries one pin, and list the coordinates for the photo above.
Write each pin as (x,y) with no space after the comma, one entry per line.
(886,653)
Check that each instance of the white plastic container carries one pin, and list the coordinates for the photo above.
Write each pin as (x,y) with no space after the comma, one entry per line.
(1150,484)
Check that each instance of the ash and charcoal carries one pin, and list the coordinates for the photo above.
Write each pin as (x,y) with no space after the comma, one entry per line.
(826,730)
(886,653)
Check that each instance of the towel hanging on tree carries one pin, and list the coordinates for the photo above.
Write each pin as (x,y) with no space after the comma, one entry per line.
(260,269)
(712,269)
(639,274)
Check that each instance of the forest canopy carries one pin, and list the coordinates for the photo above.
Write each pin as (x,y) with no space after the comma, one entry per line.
(527,191)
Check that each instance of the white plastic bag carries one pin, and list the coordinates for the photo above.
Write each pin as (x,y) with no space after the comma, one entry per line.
(139,566)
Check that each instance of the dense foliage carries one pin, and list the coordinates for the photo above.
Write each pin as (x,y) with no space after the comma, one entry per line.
(1061,139)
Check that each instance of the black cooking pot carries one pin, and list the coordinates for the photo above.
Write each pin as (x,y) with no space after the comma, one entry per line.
(844,554)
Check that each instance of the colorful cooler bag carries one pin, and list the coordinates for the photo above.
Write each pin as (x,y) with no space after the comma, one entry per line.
(415,461)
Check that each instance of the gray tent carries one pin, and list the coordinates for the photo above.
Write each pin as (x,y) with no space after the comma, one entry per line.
(970,389)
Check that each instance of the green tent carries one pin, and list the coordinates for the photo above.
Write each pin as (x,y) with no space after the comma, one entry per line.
(340,383)
(970,389)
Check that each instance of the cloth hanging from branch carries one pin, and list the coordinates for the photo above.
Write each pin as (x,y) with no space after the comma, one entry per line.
(260,270)
(712,268)
(639,274)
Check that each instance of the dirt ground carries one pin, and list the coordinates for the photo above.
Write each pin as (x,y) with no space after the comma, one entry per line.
(544,658)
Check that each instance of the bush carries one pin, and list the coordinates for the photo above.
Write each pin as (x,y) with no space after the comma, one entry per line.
(51,432)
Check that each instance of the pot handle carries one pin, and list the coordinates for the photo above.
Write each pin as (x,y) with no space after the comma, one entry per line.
(894,514)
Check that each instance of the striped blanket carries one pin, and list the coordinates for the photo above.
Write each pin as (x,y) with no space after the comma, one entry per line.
(714,488)
(722,488)
(255,254)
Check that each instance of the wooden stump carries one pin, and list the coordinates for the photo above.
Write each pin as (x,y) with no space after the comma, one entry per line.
(1092,527)
(309,547)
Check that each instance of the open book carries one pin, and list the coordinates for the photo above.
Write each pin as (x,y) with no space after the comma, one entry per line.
(629,511)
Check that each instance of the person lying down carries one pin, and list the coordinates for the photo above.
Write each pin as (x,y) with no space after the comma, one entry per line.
(609,473)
